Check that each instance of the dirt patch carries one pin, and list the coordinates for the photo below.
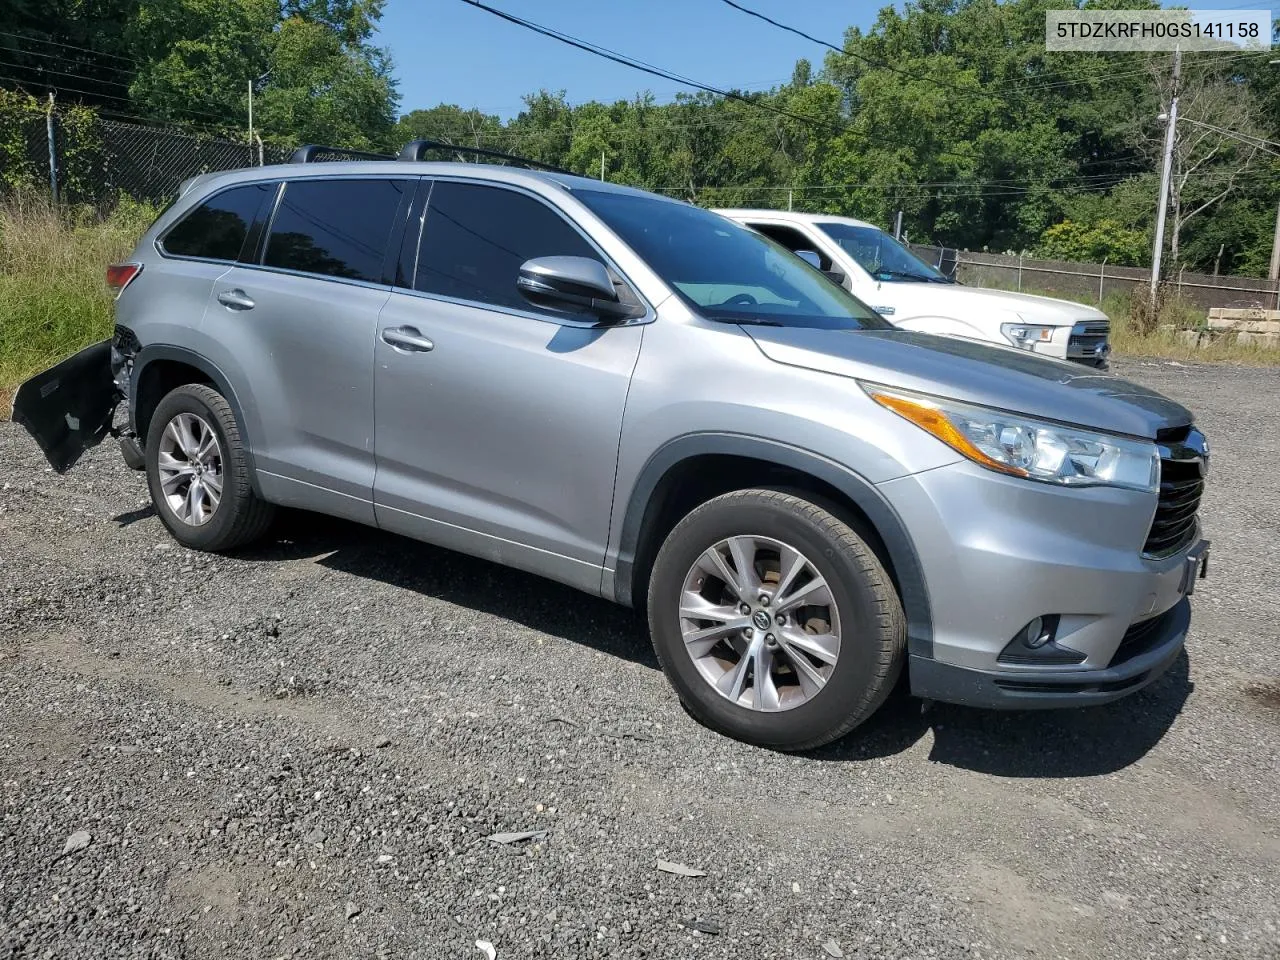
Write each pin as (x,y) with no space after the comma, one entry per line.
(1267,693)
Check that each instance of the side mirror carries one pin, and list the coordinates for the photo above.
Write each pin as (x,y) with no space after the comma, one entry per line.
(573,283)
(810,257)
(835,276)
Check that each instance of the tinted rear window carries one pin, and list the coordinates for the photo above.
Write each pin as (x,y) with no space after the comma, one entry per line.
(336,228)
(216,229)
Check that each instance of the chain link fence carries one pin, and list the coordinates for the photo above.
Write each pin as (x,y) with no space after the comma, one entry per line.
(86,159)
(1095,281)
(148,163)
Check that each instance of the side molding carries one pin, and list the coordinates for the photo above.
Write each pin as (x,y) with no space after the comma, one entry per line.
(887,523)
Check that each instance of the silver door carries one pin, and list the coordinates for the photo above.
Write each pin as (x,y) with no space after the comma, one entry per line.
(300,340)
(497,426)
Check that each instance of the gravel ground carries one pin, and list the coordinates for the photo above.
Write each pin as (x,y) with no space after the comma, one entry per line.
(300,751)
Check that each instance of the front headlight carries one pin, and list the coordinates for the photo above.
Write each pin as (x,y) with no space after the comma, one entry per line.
(1026,447)
(1026,335)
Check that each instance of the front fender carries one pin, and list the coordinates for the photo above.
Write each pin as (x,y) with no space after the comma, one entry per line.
(878,510)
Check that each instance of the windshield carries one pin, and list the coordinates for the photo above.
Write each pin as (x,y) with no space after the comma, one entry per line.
(882,256)
(725,271)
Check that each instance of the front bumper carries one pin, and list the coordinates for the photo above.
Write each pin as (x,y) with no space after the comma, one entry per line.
(997,552)
(1139,662)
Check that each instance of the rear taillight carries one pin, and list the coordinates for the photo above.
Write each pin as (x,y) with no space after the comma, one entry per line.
(120,275)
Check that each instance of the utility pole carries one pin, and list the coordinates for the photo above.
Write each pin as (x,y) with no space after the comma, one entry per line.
(1171,124)
(897,227)
(601,166)
(1274,273)
(53,150)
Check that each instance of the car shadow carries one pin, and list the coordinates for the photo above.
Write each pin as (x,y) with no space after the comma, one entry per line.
(1085,742)
(1082,742)
(522,598)
(131,517)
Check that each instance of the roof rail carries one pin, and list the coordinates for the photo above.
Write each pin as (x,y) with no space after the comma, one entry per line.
(414,150)
(313,152)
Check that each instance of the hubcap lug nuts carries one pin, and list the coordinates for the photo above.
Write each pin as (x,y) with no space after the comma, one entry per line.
(748,633)
(764,599)
(769,638)
(781,619)
(746,610)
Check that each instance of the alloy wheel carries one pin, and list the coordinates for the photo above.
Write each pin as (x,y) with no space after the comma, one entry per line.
(760,623)
(189,460)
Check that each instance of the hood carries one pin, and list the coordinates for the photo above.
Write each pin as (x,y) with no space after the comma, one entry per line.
(955,300)
(977,372)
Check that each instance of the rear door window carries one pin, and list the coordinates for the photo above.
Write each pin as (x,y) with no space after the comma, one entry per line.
(476,237)
(216,230)
(335,228)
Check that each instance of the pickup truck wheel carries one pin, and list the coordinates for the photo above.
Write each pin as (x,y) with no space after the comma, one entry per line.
(774,620)
(198,473)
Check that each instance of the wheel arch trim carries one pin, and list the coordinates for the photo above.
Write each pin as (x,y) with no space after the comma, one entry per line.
(883,517)
(159,352)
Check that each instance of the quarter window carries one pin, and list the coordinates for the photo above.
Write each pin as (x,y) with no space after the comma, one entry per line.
(475,238)
(216,229)
(335,228)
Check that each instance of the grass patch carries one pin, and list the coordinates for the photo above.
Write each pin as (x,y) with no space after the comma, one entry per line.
(1128,339)
(53,294)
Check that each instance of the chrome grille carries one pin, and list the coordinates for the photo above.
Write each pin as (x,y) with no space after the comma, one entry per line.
(1089,340)
(1183,465)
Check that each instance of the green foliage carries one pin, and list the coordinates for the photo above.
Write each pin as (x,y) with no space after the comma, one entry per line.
(53,294)
(24,150)
(1100,241)
(324,81)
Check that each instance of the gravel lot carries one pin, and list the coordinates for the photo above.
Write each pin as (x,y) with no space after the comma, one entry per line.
(300,750)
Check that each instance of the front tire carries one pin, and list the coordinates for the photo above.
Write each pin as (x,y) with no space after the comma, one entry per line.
(198,472)
(774,621)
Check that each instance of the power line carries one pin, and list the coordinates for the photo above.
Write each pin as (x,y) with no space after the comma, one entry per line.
(63,58)
(783,26)
(69,46)
(640,65)
(62,73)
(107,108)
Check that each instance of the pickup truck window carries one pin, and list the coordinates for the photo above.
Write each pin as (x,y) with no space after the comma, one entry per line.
(882,256)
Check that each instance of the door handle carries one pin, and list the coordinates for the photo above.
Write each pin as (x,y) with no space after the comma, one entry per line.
(235,300)
(407,338)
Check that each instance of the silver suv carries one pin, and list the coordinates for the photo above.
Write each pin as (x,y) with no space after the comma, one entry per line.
(653,404)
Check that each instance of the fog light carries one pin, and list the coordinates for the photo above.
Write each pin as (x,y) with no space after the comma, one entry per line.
(1034,635)
(1035,644)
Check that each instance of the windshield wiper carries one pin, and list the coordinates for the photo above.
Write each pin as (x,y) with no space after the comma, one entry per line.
(747,321)
(904,275)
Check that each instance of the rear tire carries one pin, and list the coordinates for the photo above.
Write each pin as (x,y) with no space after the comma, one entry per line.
(194,440)
(827,664)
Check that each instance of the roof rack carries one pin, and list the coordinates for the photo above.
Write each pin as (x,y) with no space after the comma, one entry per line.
(314,152)
(414,150)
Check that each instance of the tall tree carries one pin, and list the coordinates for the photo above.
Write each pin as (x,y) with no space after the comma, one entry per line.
(323,80)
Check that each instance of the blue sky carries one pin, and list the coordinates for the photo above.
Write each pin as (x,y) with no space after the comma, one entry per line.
(446,51)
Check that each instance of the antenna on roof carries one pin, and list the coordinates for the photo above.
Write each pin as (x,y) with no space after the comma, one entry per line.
(314,152)
(415,149)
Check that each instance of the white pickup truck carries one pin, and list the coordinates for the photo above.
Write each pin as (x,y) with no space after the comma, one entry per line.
(909,293)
